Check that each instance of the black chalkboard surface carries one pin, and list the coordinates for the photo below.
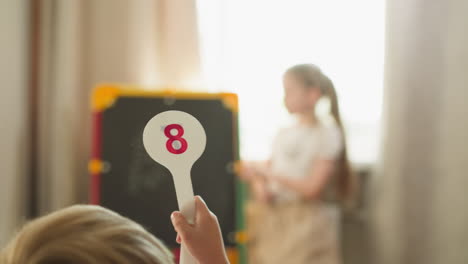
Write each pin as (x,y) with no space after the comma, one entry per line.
(139,188)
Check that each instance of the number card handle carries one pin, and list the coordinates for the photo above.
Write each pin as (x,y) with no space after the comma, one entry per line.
(184,193)
(186,202)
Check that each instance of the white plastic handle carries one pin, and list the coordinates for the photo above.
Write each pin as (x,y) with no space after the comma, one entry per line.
(186,202)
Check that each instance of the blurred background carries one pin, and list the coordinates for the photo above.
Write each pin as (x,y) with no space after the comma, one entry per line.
(400,68)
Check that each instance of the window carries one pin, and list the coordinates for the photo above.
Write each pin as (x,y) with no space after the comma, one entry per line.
(247,45)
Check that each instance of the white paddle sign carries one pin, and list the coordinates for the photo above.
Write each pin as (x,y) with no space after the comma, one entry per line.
(176,140)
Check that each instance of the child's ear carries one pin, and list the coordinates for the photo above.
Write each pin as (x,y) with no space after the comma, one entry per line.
(314,94)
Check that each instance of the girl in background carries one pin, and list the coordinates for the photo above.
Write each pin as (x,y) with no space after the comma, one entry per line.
(291,218)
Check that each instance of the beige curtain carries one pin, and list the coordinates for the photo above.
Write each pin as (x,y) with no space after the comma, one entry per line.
(420,208)
(13,114)
(83,43)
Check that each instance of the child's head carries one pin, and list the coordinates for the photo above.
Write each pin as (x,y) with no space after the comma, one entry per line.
(302,88)
(84,234)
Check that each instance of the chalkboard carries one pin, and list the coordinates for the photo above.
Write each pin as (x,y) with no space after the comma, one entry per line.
(134,185)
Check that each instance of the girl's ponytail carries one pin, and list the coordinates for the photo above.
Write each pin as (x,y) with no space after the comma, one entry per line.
(346,180)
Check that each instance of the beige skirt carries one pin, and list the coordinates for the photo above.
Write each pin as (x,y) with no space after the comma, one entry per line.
(291,232)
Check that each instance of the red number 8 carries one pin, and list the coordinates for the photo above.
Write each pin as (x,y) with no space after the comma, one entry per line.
(177,137)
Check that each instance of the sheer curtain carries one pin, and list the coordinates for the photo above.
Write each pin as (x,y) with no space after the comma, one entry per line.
(13,114)
(420,197)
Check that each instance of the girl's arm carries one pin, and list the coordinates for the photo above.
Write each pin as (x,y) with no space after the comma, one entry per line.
(309,187)
(251,172)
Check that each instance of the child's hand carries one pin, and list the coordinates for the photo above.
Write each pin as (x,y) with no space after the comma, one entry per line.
(260,191)
(202,239)
(264,171)
(251,170)
(245,170)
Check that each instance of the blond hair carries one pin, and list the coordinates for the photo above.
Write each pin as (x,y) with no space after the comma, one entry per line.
(84,234)
(312,77)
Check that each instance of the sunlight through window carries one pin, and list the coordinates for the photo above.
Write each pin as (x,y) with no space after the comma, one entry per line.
(247,45)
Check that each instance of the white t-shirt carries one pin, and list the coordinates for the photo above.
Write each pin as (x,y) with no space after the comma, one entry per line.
(296,148)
